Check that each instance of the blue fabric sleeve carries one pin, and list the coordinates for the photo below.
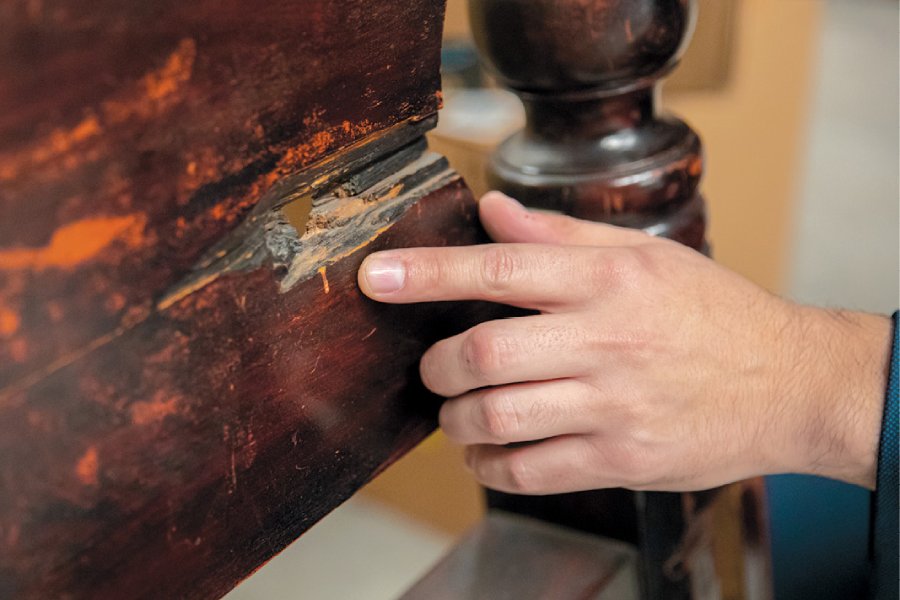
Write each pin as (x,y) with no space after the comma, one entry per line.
(886,530)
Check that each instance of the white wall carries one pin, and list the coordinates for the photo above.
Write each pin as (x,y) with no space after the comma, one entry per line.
(845,250)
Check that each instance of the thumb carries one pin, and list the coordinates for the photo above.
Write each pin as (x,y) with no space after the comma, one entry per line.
(507,221)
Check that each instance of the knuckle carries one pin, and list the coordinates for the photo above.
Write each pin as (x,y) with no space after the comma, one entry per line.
(498,417)
(542,413)
(521,475)
(498,267)
(484,352)
(612,267)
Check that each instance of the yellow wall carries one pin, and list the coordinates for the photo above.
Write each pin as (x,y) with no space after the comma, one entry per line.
(753,126)
(754,132)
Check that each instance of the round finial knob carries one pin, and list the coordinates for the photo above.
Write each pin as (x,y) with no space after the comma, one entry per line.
(594,145)
(550,45)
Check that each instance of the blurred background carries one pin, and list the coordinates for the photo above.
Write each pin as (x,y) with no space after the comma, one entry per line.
(797,102)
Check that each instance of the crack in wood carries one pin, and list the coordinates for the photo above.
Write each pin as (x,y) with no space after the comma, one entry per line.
(354,211)
(364,186)
(352,223)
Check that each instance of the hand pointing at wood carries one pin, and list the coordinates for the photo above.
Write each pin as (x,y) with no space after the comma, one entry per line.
(648,366)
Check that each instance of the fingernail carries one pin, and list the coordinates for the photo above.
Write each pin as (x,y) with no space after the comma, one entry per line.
(384,275)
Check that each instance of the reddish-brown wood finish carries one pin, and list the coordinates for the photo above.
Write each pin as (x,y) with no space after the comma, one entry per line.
(189,376)
(133,135)
(596,146)
(176,459)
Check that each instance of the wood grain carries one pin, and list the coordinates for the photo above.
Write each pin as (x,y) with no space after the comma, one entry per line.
(189,376)
(134,135)
(174,460)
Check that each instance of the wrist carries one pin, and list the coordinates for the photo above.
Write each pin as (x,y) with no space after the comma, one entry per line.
(845,357)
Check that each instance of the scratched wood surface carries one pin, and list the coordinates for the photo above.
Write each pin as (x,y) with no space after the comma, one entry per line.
(133,135)
(189,377)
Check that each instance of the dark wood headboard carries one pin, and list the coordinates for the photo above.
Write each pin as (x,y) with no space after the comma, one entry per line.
(189,376)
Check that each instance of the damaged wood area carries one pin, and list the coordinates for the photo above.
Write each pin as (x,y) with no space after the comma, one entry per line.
(310,229)
(204,438)
(186,195)
(131,142)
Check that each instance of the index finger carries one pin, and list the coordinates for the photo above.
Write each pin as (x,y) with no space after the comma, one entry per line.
(523,275)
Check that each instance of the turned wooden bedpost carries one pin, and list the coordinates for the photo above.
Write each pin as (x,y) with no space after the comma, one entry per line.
(597,147)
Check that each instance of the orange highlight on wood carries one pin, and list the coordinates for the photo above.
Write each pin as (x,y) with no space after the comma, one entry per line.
(177,70)
(322,141)
(144,413)
(62,141)
(88,467)
(696,167)
(323,271)
(75,243)
(143,99)
(59,142)
(9,322)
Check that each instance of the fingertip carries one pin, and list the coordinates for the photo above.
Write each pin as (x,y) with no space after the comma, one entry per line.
(499,214)
(507,220)
(497,203)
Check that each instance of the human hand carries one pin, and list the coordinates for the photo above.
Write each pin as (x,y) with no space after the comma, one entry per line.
(648,366)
